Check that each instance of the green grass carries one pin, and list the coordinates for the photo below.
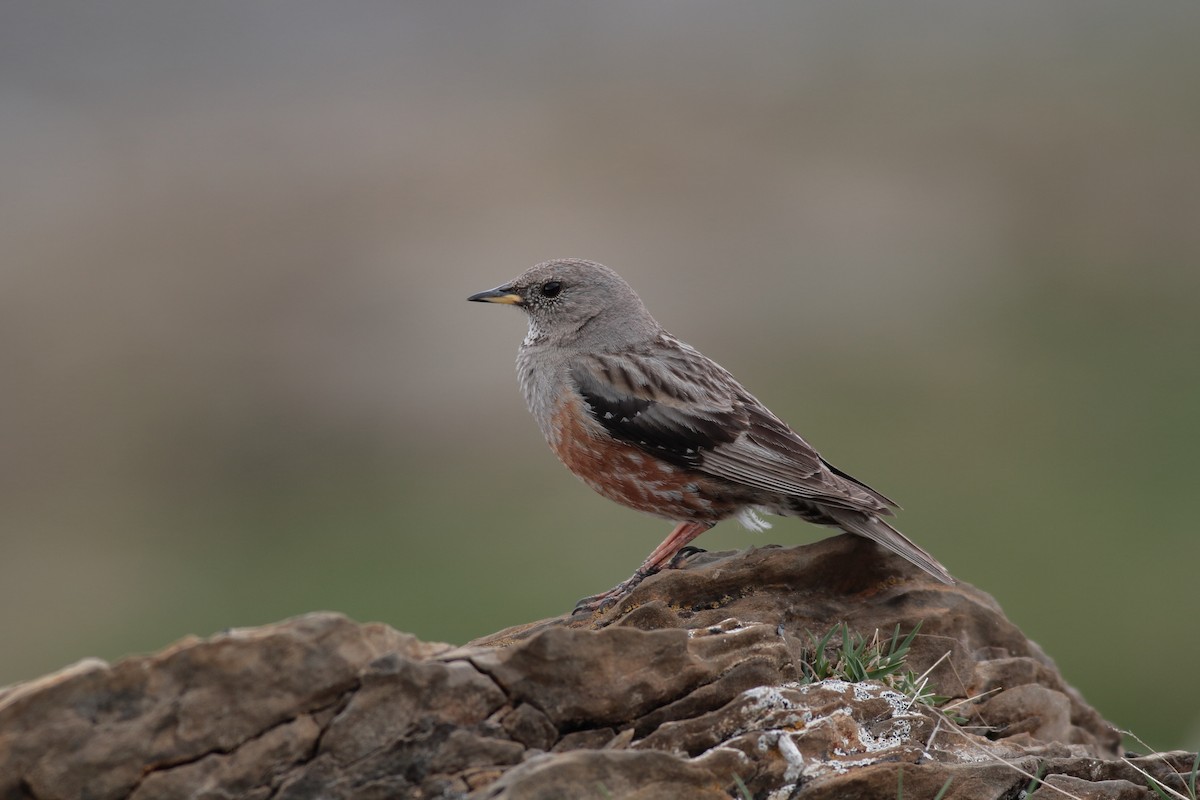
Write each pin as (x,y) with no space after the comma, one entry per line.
(1036,780)
(857,659)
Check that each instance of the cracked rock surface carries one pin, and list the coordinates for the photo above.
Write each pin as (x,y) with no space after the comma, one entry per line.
(690,688)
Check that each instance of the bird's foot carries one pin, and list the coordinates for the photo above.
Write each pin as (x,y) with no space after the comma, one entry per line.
(683,555)
(606,600)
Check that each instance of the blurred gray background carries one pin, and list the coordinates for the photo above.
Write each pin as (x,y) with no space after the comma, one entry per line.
(957,245)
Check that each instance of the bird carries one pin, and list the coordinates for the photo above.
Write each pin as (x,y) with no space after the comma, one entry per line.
(648,421)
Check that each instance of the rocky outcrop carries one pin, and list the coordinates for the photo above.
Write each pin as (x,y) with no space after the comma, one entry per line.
(692,687)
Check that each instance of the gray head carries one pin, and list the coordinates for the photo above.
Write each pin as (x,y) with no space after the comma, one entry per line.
(573,302)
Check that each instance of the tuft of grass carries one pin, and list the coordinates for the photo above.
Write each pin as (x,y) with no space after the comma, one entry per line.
(1036,780)
(859,659)
(743,791)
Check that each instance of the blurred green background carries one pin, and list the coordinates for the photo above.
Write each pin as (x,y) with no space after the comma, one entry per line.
(957,245)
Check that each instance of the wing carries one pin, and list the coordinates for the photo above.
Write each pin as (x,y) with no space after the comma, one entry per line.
(674,403)
(773,457)
(652,399)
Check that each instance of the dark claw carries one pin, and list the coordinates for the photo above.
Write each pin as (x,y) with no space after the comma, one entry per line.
(683,555)
(606,600)
(597,602)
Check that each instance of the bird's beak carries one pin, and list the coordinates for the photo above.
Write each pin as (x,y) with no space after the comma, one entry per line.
(501,294)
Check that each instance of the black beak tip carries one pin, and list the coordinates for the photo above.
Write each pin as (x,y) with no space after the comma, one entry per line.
(503,295)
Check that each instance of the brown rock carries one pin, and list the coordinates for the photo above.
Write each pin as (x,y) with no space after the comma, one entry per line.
(1059,786)
(530,727)
(1043,713)
(986,781)
(606,774)
(845,578)
(244,773)
(691,687)
(97,731)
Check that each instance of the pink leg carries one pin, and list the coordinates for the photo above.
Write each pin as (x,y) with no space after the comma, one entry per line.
(684,532)
(662,556)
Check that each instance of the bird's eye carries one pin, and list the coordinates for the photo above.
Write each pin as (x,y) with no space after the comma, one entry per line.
(551,288)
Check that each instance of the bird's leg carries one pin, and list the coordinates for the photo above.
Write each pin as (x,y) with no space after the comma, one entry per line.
(662,557)
(684,532)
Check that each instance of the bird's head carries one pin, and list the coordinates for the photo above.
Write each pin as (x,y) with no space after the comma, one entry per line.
(573,302)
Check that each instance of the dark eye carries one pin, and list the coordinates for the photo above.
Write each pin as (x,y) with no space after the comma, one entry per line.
(551,288)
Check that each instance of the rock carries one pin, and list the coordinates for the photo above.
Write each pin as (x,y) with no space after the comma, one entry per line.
(693,686)
(769,600)
(607,773)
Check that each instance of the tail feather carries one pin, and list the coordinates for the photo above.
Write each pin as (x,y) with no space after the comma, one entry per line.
(887,503)
(883,534)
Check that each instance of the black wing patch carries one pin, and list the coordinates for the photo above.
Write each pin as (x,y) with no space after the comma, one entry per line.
(677,432)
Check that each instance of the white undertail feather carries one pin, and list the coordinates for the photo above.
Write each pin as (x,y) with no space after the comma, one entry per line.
(750,519)
(883,534)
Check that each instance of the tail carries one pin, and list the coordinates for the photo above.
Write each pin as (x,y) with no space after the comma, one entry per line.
(884,535)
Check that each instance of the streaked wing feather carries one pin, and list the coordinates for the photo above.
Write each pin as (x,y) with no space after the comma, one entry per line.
(773,457)
(648,401)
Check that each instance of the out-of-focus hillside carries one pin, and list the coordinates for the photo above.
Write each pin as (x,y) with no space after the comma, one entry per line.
(956,245)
